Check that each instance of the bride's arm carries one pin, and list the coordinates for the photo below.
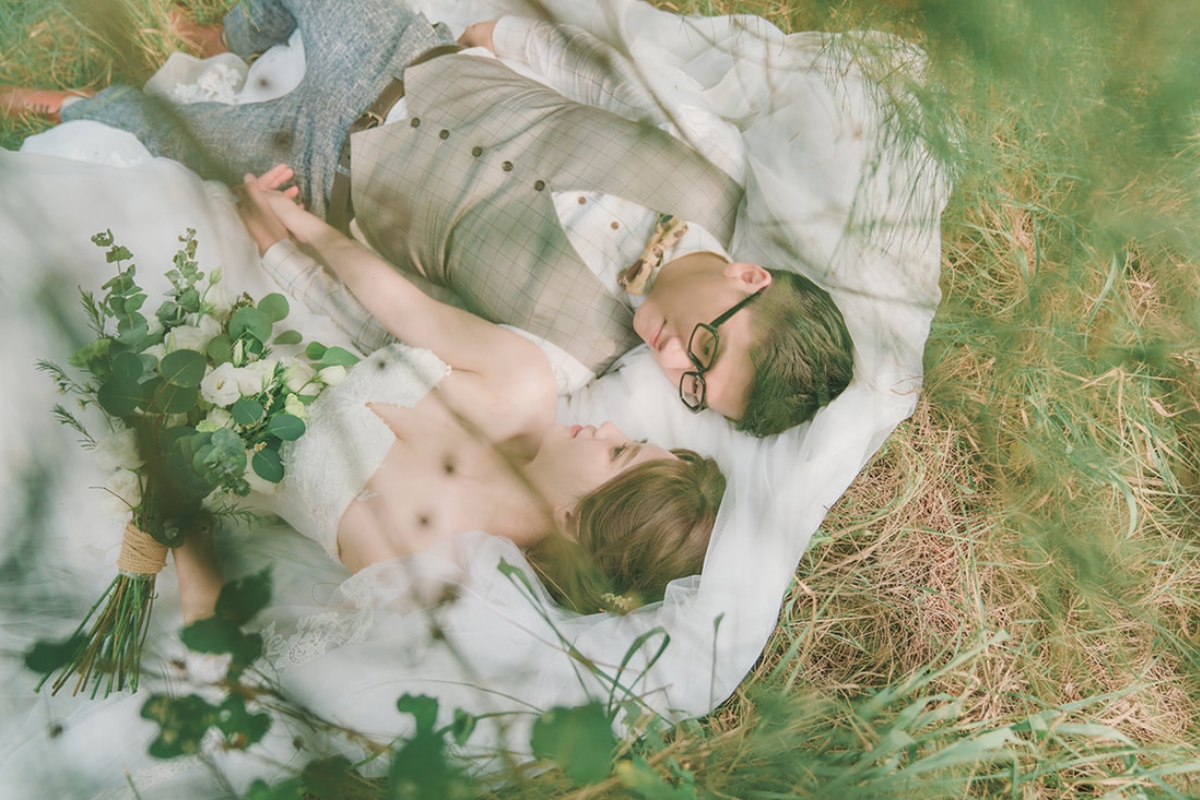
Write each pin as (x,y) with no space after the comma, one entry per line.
(463,340)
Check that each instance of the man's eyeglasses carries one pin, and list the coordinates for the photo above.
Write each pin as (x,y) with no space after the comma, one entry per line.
(702,350)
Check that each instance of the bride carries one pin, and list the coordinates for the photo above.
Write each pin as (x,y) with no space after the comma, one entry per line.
(454,431)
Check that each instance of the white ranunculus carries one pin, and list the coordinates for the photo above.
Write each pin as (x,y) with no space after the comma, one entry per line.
(293,406)
(118,450)
(298,376)
(123,492)
(255,376)
(332,376)
(220,387)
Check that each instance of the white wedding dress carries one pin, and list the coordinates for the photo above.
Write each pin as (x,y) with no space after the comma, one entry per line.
(833,187)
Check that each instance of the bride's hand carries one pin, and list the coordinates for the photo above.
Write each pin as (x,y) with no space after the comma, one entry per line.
(264,225)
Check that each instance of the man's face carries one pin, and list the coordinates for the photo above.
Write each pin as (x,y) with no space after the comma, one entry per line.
(698,289)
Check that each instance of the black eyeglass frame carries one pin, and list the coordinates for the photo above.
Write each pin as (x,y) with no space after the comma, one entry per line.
(700,368)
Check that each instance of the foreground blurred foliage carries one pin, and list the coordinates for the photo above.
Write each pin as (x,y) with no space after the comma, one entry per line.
(1007,601)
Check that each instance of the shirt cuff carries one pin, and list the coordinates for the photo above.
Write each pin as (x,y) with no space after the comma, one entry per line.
(280,261)
(508,38)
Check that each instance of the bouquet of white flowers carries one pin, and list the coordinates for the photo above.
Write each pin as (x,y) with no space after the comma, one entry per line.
(197,408)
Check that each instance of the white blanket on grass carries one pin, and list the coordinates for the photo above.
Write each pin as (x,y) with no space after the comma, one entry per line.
(833,189)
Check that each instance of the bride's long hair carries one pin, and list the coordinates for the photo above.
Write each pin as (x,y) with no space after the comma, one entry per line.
(632,536)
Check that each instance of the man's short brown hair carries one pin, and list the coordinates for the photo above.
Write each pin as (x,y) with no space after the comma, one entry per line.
(802,355)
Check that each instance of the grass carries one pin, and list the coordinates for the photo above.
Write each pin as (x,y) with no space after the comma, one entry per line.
(1006,603)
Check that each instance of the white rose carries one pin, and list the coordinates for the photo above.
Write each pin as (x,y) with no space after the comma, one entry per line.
(220,387)
(159,351)
(293,406)
(254,377)
(332,376)
(154,325)
(123,493)
(118,450)
(298,376)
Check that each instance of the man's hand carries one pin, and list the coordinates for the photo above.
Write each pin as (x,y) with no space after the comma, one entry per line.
(260,219)
(478,35)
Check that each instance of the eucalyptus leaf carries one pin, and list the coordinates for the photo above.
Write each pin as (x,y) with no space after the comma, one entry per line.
(127,365)
(246,411)
(250,322)
(149,363)
(220,349)
(275,306)
(267,465)
(132,329)
(286,427)
(314,351)
(172,399)
(289,337)
(119,396)
(337,357)
(184,368)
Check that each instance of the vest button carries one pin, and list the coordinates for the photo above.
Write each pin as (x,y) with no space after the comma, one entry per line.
(507,166)
(443,134)
(416,122)
(477,151)
(539,185)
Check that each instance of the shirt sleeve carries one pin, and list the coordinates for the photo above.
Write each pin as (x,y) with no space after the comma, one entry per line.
(303,278)
(577,64)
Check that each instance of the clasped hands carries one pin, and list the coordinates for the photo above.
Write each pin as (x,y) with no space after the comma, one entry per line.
(272,214)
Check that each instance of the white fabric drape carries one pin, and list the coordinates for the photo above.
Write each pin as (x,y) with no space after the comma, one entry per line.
(833,189)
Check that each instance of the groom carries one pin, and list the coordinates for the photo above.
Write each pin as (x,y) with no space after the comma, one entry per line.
(527,204)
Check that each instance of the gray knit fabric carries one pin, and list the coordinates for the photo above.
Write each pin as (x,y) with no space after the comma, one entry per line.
(352,50)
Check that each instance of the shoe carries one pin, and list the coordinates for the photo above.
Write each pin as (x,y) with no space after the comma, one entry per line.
(21,101)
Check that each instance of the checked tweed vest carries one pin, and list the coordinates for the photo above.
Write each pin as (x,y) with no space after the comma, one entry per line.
(463,196)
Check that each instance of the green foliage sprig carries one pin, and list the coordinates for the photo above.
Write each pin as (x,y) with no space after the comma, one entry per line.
(196,405)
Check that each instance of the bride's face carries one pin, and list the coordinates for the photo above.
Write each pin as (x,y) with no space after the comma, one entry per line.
(577,459)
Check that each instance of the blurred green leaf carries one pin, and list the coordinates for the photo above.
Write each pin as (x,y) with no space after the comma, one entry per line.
(289,337)
(241,599)
(579,739)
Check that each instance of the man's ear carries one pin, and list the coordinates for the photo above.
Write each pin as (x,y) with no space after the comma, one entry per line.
(564,519)
(751,276)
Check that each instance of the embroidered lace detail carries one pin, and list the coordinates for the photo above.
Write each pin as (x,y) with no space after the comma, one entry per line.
(348,622)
